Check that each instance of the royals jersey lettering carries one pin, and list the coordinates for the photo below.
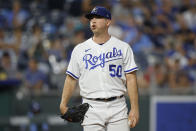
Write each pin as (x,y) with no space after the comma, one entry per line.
(101,69)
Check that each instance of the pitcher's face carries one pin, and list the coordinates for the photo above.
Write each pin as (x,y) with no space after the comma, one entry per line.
(99,24)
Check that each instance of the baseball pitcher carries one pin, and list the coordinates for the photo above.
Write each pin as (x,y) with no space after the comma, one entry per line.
(106,70)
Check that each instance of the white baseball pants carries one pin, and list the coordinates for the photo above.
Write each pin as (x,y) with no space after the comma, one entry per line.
(106,116)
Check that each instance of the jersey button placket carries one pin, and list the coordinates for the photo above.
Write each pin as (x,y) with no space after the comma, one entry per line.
(102,70)
(102,52)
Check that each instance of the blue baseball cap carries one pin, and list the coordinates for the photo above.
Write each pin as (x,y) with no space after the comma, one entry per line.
(99,11)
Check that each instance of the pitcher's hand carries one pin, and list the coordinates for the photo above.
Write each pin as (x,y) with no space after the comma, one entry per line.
(133,118)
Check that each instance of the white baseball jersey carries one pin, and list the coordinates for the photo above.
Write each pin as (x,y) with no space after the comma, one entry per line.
(101,69)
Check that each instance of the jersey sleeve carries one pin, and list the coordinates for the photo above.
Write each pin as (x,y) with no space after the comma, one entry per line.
(129,62)
(73,67)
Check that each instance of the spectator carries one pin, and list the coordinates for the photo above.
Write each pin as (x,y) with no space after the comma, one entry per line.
(121,10)
(183,80)
(11,43)
(9,68)
(16,17)
(115,30)
(78,38)
(34,78)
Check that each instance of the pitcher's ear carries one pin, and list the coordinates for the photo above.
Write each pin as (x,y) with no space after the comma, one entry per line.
(108,22)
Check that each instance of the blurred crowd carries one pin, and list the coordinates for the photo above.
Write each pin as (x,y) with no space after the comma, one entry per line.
(38,36)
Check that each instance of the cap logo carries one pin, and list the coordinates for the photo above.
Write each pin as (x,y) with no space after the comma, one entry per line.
(94,10)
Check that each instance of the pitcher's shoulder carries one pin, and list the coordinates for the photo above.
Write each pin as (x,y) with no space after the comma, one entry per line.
(118,41)
(82,45)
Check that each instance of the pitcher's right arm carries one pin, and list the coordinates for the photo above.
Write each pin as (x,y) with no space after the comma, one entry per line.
(69,86)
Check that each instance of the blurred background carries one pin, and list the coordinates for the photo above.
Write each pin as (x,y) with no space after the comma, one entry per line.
(38,36)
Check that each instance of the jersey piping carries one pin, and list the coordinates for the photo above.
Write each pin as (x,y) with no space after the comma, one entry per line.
(71,74)
(131,70)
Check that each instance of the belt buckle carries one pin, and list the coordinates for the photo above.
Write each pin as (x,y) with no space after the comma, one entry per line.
(105,100)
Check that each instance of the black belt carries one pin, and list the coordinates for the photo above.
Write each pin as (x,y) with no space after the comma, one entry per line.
(106,99)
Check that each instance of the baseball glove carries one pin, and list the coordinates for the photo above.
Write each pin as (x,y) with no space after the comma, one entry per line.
(76,113)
